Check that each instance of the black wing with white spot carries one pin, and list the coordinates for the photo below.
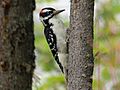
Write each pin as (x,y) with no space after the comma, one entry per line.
(52,41)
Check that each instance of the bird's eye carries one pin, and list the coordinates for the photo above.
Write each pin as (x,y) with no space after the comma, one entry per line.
(47,13)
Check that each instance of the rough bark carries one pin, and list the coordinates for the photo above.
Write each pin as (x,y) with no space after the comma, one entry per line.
(81,61)
(16,44)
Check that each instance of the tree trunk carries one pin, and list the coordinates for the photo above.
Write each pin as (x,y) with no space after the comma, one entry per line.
(81,61)
(16,44)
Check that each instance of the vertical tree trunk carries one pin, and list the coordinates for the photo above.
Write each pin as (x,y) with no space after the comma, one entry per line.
(16,44)
(81,61)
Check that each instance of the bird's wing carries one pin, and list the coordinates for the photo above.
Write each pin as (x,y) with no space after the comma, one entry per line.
(52,41)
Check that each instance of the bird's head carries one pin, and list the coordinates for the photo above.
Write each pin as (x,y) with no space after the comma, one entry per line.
(48,13)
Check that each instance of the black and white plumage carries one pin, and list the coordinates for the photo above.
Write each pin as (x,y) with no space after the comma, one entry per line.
(55,34)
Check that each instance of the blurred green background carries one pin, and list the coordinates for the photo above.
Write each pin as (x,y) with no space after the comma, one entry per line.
(106,47)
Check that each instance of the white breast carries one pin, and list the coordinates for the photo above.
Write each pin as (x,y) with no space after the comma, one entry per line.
(60,32)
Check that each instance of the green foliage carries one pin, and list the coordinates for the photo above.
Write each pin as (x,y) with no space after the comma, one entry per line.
(53,83)
(107,43)
(106,74)
(97,84)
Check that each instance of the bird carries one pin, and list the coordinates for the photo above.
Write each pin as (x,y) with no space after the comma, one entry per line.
(55,34)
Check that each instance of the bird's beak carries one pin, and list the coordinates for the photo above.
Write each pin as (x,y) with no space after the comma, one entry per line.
(58,11)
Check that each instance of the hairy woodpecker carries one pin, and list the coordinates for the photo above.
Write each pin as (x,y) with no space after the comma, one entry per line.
(55,34)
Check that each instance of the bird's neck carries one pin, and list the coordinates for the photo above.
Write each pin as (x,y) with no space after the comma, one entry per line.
(55,22)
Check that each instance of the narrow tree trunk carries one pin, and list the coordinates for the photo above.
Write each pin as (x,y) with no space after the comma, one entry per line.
(81,62)
(16,44)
